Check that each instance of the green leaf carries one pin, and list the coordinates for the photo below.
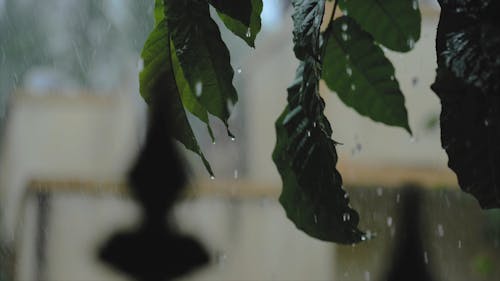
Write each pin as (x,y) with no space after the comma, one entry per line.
(358,71)
(305,154)
(159,11)
(313,197)
(189,100)
(158,77)
(240,10)
(247,32)
(468,52)
(307,17)
(203,56)
(393,23)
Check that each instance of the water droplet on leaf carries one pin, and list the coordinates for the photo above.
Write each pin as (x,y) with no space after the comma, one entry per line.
(198,88)
(410,42)
(249,32)
(346,217)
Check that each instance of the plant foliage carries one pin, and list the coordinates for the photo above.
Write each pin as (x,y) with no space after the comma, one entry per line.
(352,64)
(467,46)
(358,71)
(185,57)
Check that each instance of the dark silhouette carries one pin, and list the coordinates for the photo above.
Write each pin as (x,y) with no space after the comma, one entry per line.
(409,258)
(155,251)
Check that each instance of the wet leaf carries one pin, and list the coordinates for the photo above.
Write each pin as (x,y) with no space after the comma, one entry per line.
(358,71)
(307,17)
(247,32)
(393,23)
(470,42)
(470,116)
(319,207)
(203,56)
(305,154)
(240,10)
(188,98)
(158,77)
(470,134)
(159,11)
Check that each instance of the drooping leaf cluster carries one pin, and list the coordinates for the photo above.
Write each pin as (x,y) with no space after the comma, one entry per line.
(186,59)
(348,57)
(468,51)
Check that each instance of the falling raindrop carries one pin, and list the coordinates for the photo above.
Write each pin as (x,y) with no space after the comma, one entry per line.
(344,36)
(233,139)
(440,230)
(414,5)
(344,26)
(486,122)
(140,64)
(426,259)
(367,276)
(460,244)
(198,88)
(398,197)
(314,124)
(392,77)
(346,13)
(235,173)
(212,177)
(353,87)
(389,221)
(220,258)
(315,219)
(357,149)
(414,81)
(380,191)
(348,70)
